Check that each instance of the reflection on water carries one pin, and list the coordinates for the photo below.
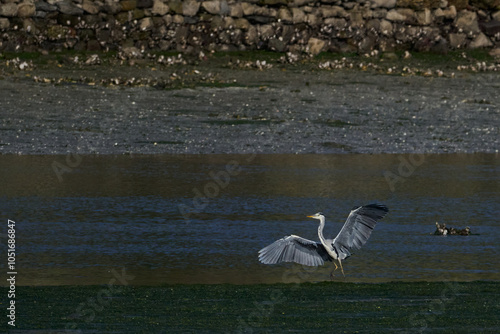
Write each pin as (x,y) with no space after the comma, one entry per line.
(113,212)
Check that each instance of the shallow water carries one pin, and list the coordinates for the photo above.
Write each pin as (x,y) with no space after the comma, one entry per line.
(114,212)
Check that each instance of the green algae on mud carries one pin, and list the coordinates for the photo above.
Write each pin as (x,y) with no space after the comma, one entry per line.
(225,69)
(452,58)
(333,306)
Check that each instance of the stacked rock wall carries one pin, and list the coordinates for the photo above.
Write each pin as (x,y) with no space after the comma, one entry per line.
(280,25)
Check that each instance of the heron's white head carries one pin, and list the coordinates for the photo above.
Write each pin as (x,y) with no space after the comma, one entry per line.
(318,215)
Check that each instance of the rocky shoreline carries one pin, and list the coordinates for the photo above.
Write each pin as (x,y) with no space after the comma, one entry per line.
(297,26)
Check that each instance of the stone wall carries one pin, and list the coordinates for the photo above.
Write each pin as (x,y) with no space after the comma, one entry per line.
(224,25)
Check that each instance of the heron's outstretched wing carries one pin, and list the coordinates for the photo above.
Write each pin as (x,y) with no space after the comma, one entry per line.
(357,228)
(294,249)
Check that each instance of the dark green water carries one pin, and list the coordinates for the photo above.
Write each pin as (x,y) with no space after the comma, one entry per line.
(450,307)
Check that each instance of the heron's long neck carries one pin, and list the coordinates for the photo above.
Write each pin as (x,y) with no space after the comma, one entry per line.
(320,230)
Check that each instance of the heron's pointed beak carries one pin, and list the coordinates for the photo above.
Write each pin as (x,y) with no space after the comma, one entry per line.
(310,217)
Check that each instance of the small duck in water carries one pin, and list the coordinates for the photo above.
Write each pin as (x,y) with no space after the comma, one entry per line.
(465,231)
(443,230)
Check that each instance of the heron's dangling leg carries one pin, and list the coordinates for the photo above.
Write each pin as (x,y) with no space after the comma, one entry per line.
(332,275)
(341,268)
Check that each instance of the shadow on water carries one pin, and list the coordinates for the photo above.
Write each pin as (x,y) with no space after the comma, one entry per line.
(202,218)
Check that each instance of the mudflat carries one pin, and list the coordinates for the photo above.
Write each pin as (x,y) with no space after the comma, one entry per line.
(228,105)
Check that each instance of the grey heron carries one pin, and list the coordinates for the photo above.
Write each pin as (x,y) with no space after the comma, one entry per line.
(353,235)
